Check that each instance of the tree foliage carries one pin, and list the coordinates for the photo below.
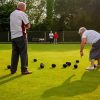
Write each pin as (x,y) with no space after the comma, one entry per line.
(56,14)
(5,11)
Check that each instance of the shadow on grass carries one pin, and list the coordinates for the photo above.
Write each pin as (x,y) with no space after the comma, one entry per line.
(87,84)
(5,76)
(9,77)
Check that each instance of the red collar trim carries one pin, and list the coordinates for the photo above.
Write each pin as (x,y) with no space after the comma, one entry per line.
(17,9)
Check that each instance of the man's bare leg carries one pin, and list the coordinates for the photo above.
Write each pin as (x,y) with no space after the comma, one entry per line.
(91,67)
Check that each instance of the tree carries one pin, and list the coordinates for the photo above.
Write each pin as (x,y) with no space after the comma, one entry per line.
(49,13)
(64,10)
(5,11)
(35,10)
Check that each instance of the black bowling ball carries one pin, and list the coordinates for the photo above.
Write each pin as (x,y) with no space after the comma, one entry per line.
(35,60)
(53,65)
(41,65)
(64,65)
(77,61)
(8,67)
(68,63)
(75,66)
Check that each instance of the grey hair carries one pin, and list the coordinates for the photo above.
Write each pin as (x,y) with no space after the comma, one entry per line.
(82,29)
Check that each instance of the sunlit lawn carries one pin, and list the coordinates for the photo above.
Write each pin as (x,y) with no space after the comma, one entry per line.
(48,83)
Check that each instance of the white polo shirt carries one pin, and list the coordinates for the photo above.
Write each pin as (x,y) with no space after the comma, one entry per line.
(18,19)
(51,35)
(91,36)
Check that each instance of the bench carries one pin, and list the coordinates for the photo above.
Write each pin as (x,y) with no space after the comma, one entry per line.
(38,39)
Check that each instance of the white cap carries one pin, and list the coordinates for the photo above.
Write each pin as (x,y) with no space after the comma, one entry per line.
(82,29)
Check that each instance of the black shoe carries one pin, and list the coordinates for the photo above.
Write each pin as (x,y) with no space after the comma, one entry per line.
(13,72)
(26,72)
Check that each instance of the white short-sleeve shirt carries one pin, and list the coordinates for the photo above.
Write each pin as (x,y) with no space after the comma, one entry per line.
(17,21)
(51,35)
(91,36)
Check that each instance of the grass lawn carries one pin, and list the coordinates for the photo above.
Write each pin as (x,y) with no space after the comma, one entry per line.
(48,83)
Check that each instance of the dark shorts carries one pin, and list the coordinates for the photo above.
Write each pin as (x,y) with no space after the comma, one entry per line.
(95,51)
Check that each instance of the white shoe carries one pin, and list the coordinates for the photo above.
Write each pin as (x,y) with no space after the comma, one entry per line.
(90,68)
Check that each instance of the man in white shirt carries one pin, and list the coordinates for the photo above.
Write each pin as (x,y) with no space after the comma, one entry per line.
(18,24)
(91,37)
(51,35)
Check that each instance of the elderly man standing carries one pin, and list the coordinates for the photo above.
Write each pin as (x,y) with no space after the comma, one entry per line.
(18,24)
(92,37)
(51,35)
